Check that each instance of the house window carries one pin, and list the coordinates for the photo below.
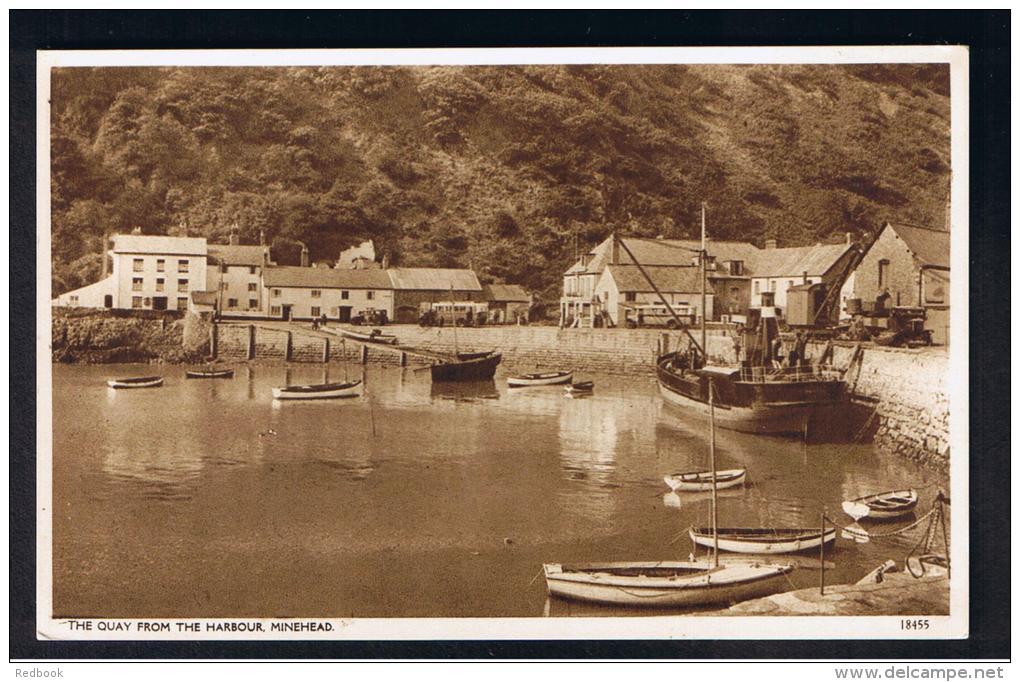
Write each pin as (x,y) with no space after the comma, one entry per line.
(344,295)
(789,283)
(182,265)
(630,296)
(316,311)
(253,286)
(160,264)
(251,269)
(136,284)
(182,285)
(159,283)
(757,287)
(182,302)
(736,268)
(138,264)
(136,301)
(316,293)
(252,304)
(231,302)
(276,293)
(370,295)
(274,310)
(883,273)
(74,300)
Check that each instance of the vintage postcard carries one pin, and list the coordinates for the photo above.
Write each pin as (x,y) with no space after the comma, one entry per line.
(503,344)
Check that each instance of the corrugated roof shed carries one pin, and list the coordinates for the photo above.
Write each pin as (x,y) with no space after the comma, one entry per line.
(510,293)
(152,243)
(434,279)
(931,247)
(234,254)
(325,278)
(669,279)
(795,261)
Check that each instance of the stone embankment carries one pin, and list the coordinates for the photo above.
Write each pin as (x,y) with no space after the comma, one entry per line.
(105,336)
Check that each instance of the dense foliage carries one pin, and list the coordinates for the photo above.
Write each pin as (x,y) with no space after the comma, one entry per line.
(510,170)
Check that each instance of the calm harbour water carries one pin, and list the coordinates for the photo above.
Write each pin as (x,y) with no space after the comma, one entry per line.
(207,498)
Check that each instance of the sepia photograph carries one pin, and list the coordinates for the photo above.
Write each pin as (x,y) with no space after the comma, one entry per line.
(517,343)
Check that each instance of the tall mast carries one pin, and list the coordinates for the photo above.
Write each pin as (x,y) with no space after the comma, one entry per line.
(711,456)
(704,257)
(453,307)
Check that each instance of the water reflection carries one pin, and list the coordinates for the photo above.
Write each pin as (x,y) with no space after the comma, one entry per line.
(464,391)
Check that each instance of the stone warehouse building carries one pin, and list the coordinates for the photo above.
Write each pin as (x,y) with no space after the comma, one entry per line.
(418,289)
(907,265)
(600,285)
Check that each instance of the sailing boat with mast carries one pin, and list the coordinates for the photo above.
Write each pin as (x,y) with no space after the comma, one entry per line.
(465,366)
(756,396)
(669,583)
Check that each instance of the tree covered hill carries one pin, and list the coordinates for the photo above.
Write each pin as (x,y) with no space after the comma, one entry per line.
(510,170)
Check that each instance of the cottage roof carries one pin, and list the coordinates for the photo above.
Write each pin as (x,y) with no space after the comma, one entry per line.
(929,246)
(677,252)
(513,293)
(668,278)
(159,244)
(795,261)
(325,278)
(237,254)
(433,279)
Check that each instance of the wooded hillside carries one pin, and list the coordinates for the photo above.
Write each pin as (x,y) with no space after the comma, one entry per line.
(510,170)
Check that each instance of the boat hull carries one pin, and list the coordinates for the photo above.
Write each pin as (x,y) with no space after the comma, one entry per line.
(549,379)
(724,479)
(349,390)
(368,338)
(216,374)
(771,541)
(471,367)
(126,383)
(782,404)
(603,585)
(872,506)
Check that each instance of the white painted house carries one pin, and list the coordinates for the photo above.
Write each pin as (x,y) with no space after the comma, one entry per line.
(148,272)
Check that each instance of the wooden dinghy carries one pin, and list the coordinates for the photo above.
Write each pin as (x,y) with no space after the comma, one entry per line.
(343,389)
(888,505)
(580,388)
(374,336)
(540,379)
(701,480)
(763,540)
(135,382)
(665,583)
(467,367)
(209,374)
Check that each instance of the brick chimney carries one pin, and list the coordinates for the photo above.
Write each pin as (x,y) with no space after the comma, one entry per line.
(103,252)
(849,238)
(262,237)
(386,261)
(770,243)
(304,256)
(614,255)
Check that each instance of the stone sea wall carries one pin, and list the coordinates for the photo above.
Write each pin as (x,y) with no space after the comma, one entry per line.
(91,335)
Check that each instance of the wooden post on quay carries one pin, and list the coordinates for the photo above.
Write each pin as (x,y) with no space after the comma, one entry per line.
(250,353)
(364,354)
(289,351)
(403,359)
(325,350)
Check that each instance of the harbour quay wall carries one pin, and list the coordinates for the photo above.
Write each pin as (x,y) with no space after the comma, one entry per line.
(905,390)
(98,335)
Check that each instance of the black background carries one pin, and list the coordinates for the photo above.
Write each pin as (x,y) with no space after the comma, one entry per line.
(985,32)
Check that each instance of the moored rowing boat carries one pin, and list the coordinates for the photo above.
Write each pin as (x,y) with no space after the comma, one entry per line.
(701,480)
(664,583)
(763,540)
(888,505)
(540,379)
(209,374)
(135,382)
(343,389)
